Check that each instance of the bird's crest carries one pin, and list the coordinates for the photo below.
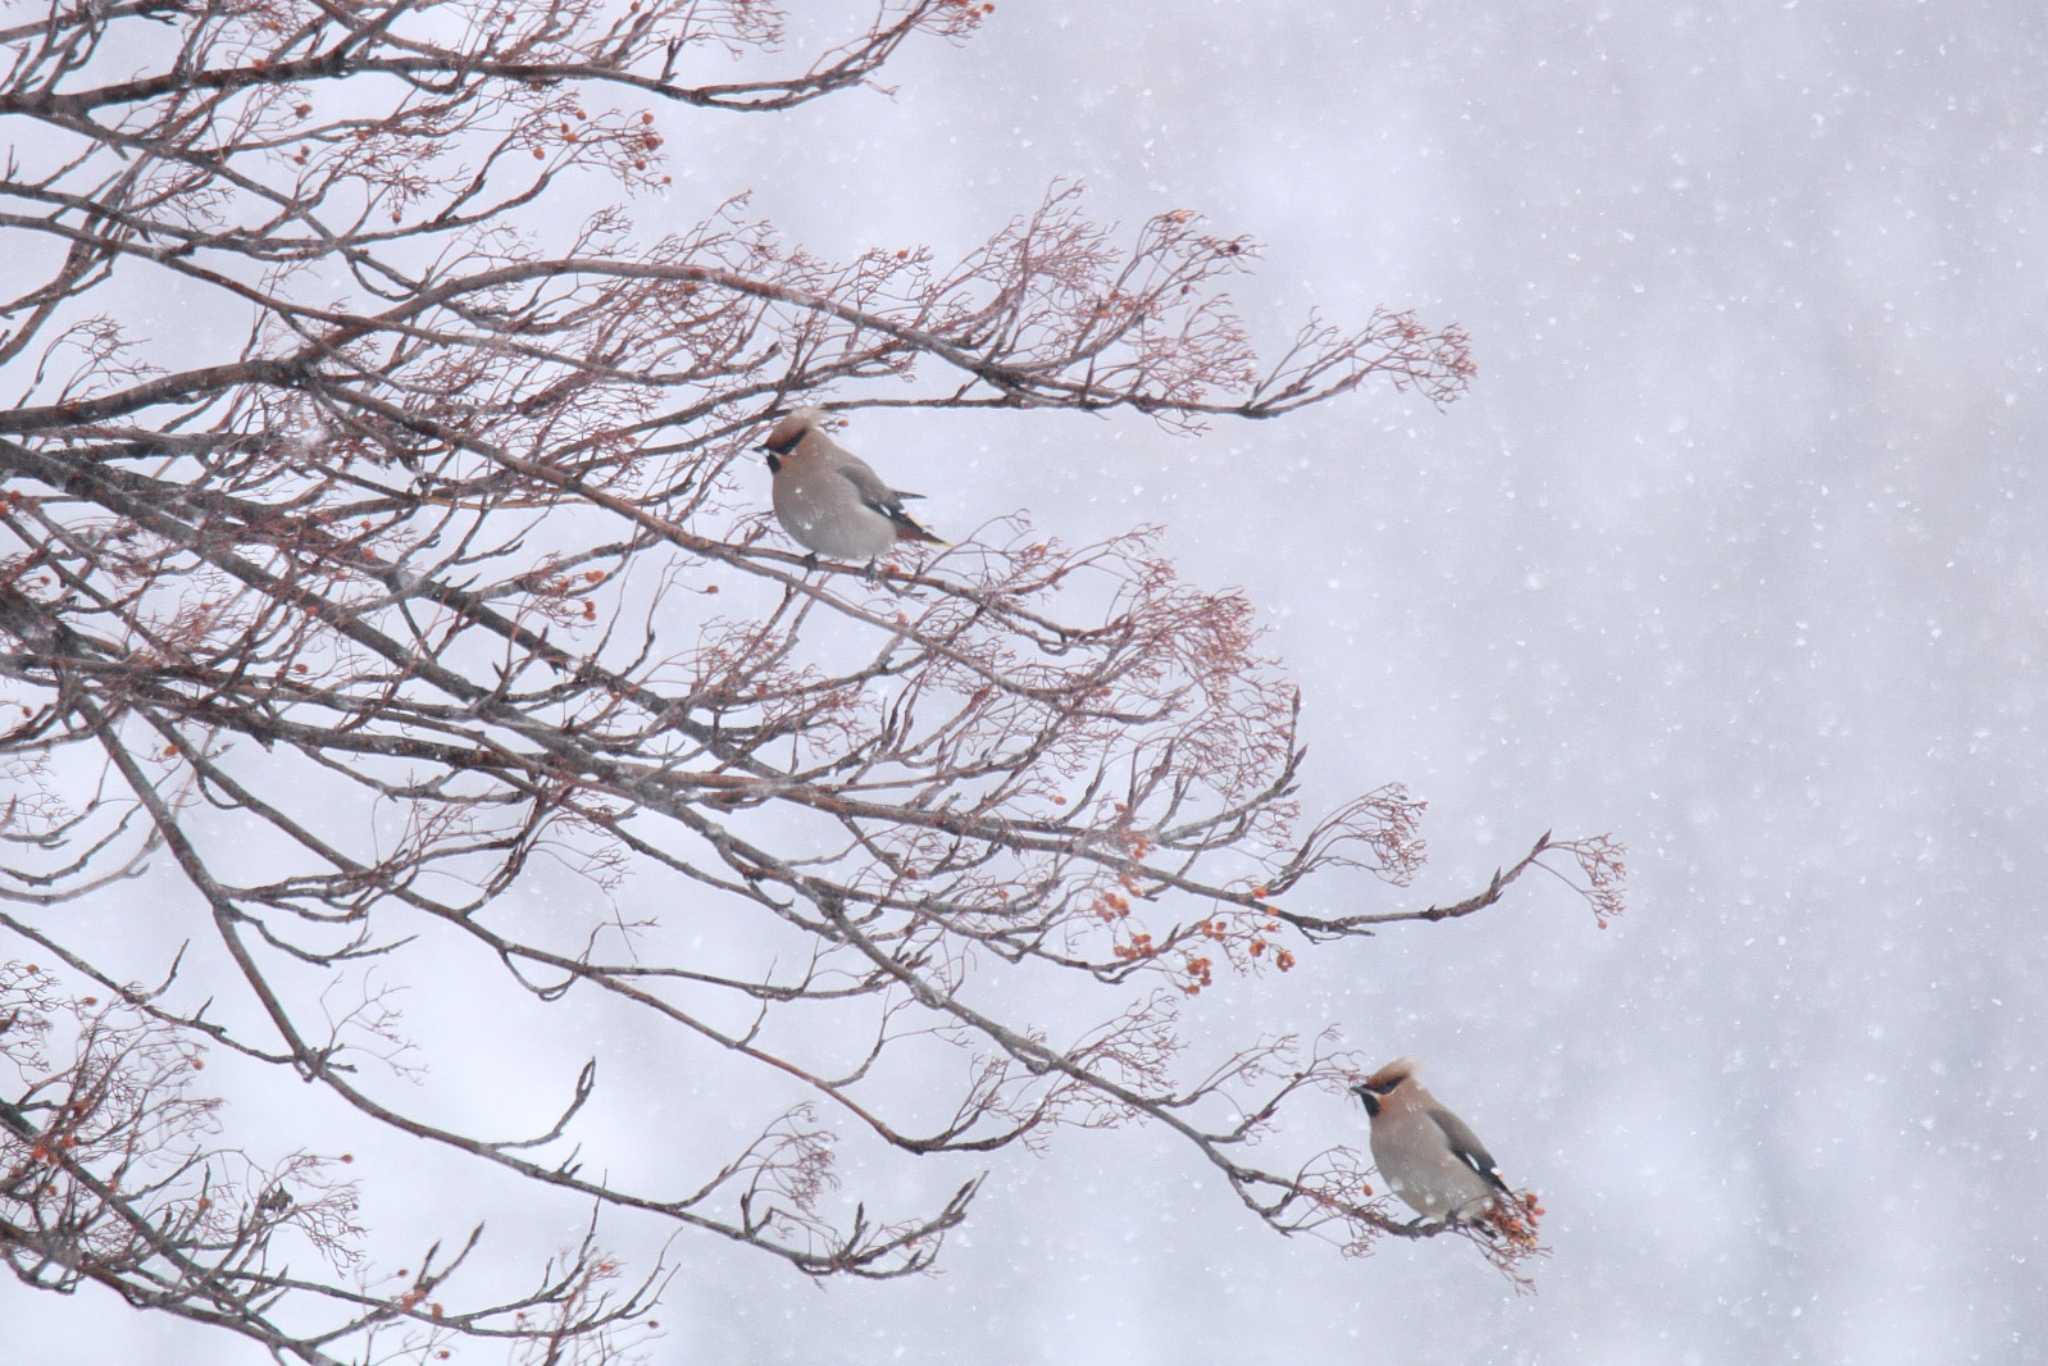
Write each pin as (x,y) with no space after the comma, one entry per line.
(784,435)
(1395,1072)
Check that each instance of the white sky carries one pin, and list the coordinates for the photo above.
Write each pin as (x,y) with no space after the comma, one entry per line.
(1735,551)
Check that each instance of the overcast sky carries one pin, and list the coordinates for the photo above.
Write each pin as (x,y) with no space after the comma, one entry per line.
(1735,550)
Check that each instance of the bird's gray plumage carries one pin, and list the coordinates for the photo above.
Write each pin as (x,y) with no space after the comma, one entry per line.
(1467,1148)
(1429,1157)
(829,499)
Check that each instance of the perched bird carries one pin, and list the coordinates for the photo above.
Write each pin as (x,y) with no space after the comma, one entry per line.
(1429,1157)
(829,499)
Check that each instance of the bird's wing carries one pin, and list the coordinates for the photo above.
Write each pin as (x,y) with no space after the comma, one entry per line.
(1468,1148)
(885,500)
(872,490)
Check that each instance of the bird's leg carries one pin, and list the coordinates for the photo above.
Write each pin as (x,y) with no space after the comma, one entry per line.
(1477,1224)
(811,562)
(869,572)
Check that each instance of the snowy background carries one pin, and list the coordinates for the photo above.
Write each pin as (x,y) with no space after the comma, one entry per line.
(1735,551)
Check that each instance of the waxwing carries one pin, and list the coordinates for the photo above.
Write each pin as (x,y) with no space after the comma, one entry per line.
(829,499)
(1427,1155)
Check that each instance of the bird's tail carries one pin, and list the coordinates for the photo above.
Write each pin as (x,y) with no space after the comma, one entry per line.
(908,530)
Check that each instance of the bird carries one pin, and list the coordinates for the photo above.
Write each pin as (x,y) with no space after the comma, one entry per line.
(829,499)
(1429,1157)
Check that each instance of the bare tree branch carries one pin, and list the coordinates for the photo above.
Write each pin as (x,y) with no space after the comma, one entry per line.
(432,562)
